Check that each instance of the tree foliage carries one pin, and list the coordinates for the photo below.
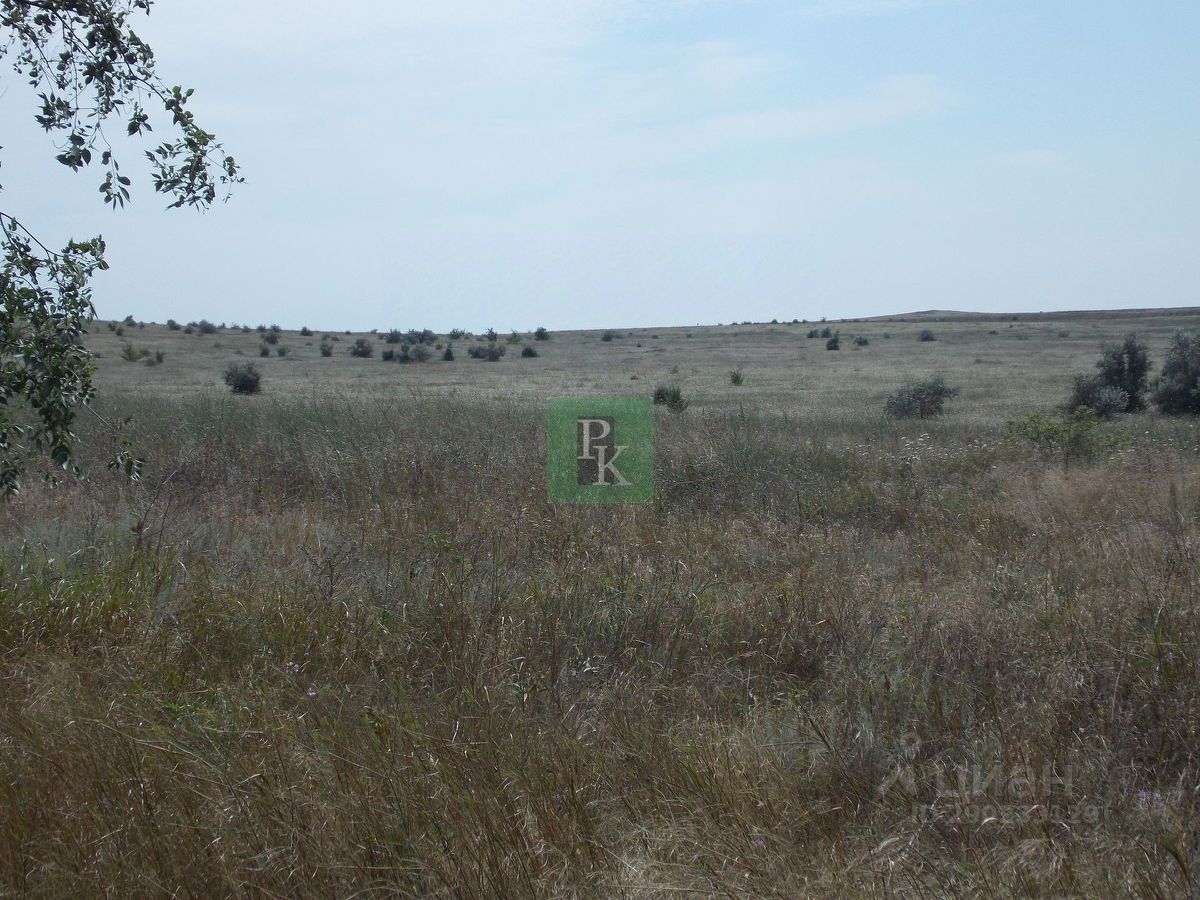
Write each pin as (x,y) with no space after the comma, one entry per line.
(1177,389)
(88,70)
(1126,366)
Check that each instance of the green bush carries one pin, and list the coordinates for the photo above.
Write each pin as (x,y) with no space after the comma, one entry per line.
(489,352)
(541,334)
(448,354)
(172,325)
(394,336)
(305,331)
(264,349)
(362,349)
(861,341)
(326,346)
(1091,392)
(607,336)
(834,343)
(129,354)
(243,379)
(514,337)
(813,333)
(736,377)
(1126,366)
(670,396)
(528,352)
(271,337)
(1070,436)
(926,335)
(206,327)
(920,399)
(281,351)
(1177,389)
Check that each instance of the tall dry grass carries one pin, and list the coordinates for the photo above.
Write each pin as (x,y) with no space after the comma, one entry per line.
(348,649)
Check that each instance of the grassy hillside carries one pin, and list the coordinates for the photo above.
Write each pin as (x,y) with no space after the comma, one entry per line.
(336,642)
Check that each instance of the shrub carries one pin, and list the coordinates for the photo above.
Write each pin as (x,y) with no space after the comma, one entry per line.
(112,326)
(243,379)
(834,343)
(362,349)
(1126,366)
(1090,392)
(1072,436)
(514,337)
(736,377)
(670,396)
(420,353)
(305,331)
(326,347)
(388,355)
(394,336)
(814,332)
(541,334)
(607,336)
(246,329)
(1177,389)
(129,320)
(206,327)
(422,336)
(275,329)
(264,349)
(172,325)
(188,329)
(262,328)
(448,354)
(861,341)
(271,337)
(281,351)
(490,352)
(919,399)
(456,334)
(129,354)
(120,332)
(491,335)
(159,356)
(528,352)
(926,335)
(826,332)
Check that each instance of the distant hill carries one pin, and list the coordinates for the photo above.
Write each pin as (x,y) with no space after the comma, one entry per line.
(951,315)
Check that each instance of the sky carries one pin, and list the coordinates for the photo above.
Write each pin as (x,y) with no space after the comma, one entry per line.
(624,163)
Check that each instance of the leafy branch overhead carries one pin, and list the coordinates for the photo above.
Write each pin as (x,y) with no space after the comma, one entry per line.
(88,69)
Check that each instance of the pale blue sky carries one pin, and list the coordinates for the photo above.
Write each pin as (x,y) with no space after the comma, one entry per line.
(578,163)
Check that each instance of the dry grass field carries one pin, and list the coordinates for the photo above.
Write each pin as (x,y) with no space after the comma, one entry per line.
(336,642)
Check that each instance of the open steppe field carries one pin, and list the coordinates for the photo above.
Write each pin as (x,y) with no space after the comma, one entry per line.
(336,642)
